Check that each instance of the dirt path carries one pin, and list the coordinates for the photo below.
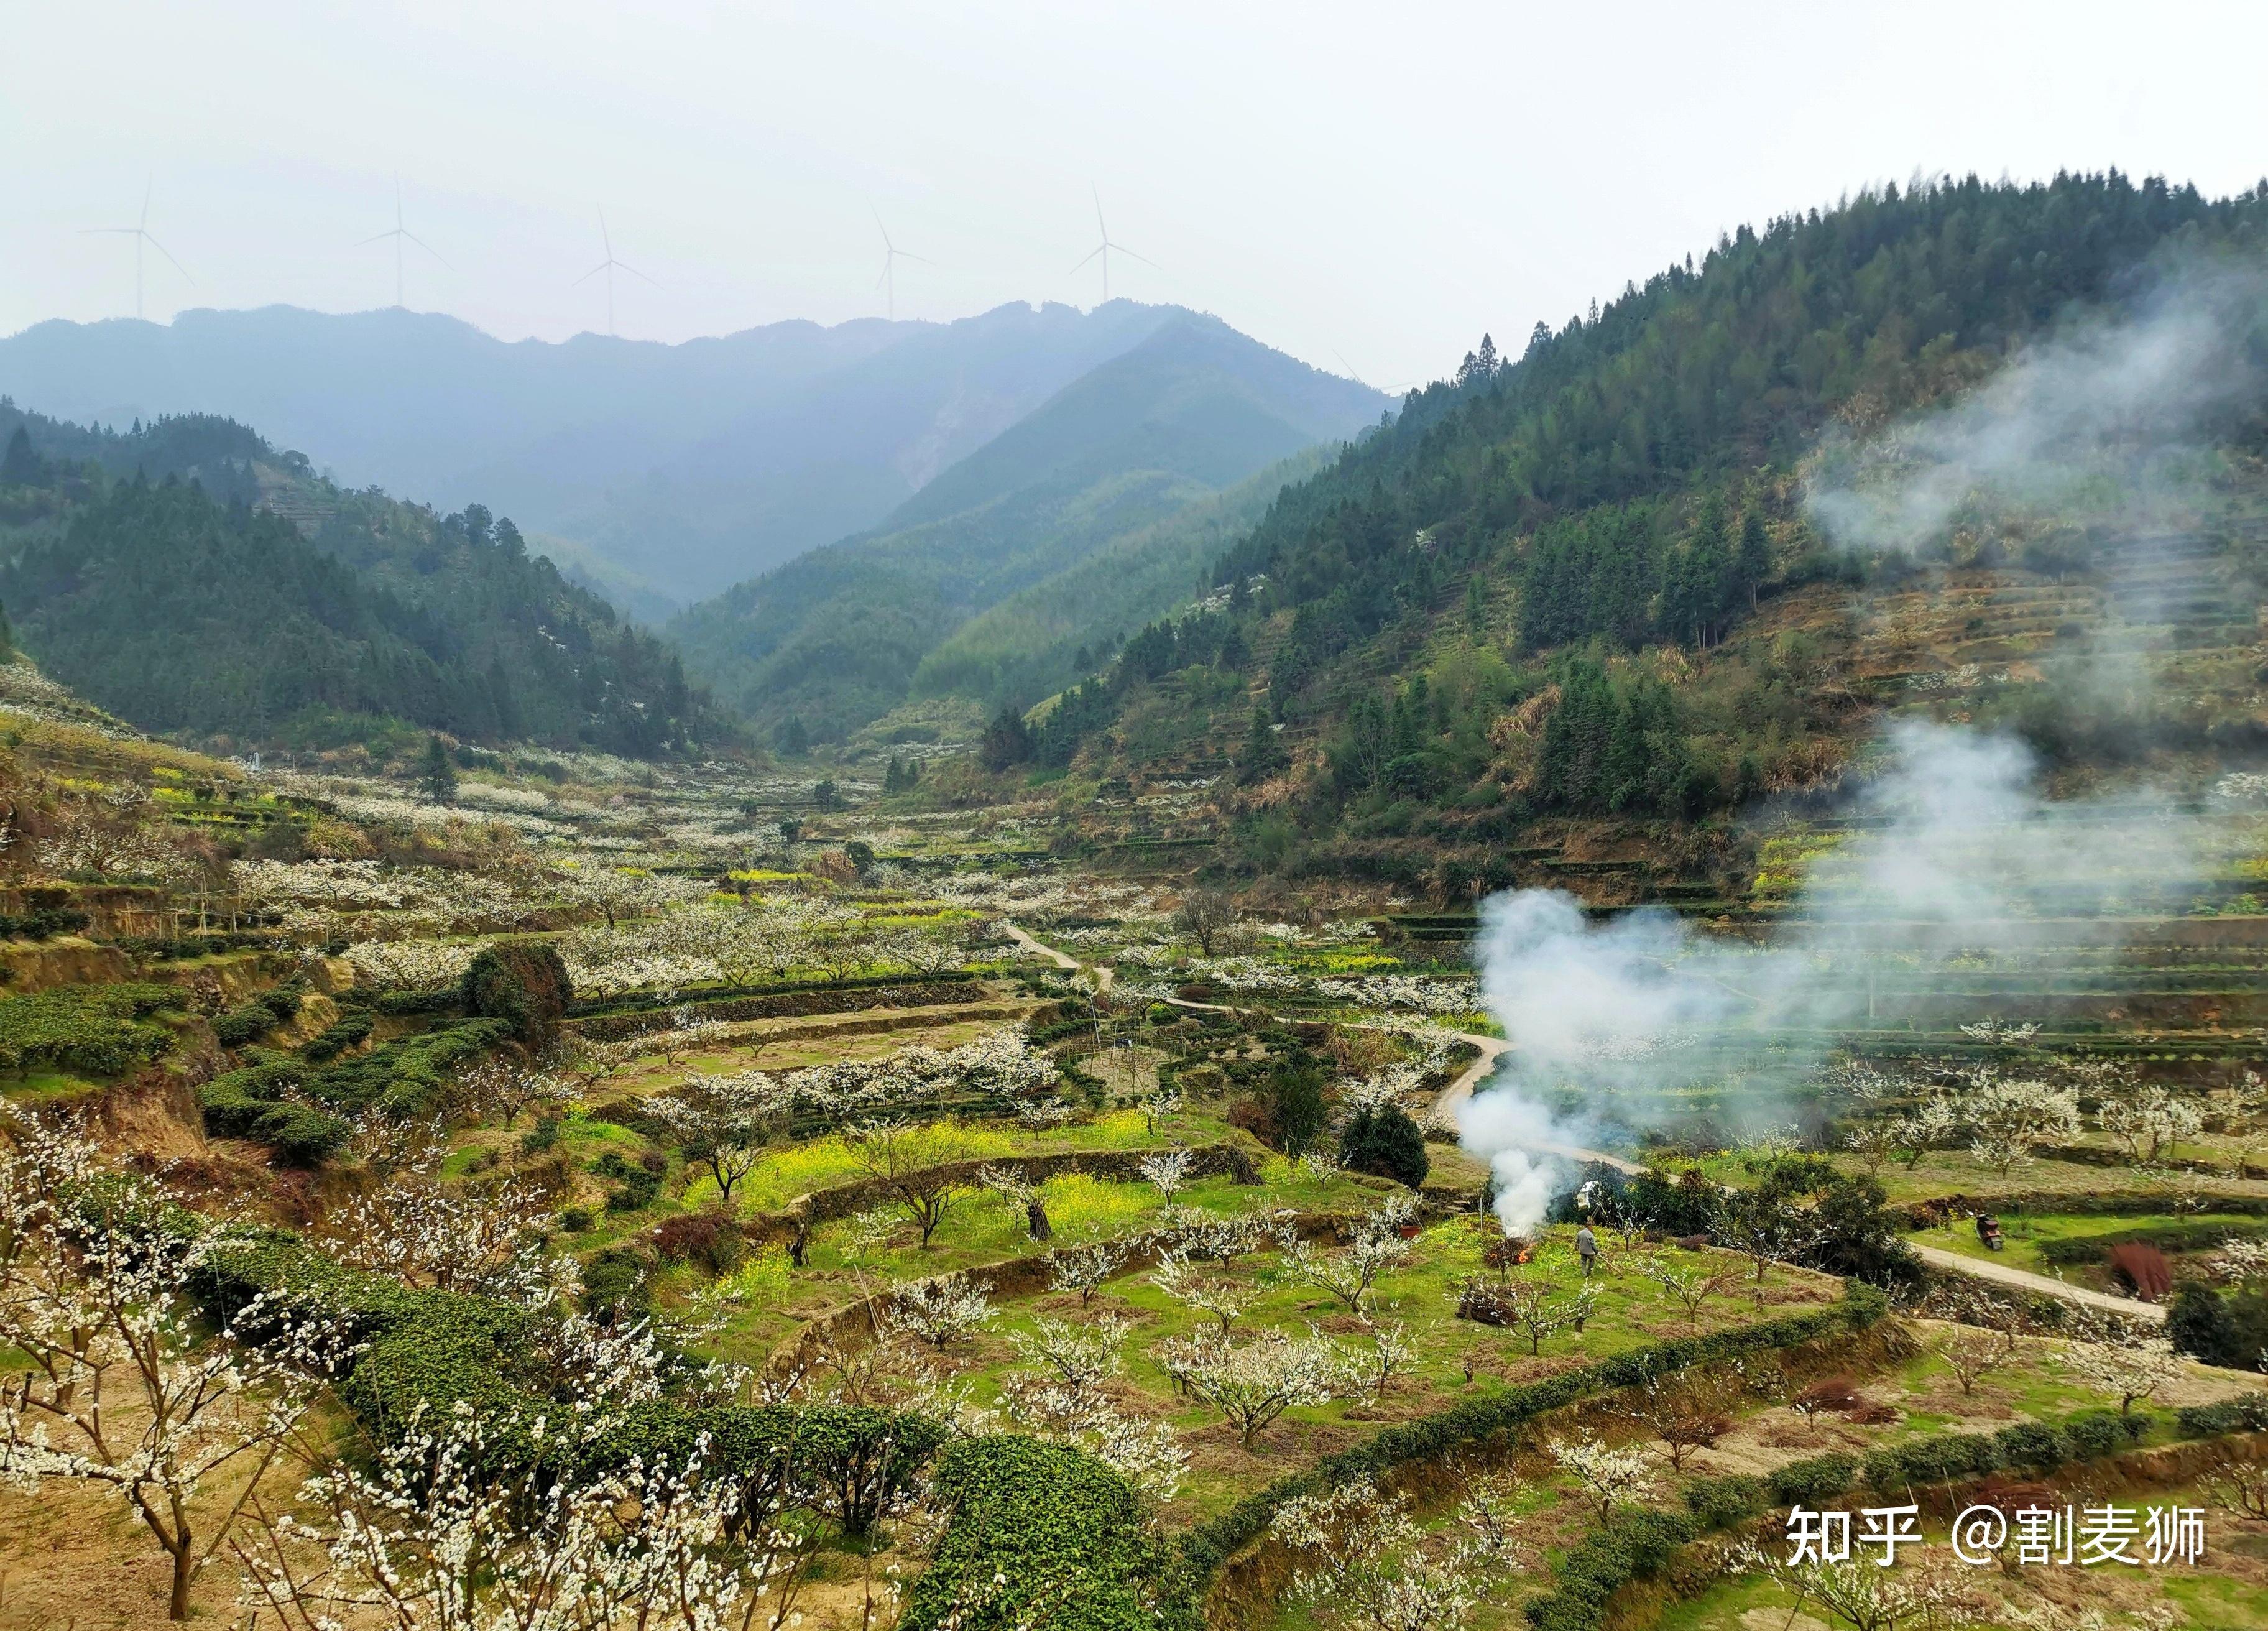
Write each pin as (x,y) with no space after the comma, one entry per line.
(1492,1048)
(1103,971)
(2001,1274)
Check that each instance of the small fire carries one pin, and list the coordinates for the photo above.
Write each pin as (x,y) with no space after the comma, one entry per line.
(1509,1252)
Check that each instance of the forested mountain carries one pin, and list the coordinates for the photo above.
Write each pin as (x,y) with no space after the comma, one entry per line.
(1109,466)
(187,577)
(1528,596)
(665,471)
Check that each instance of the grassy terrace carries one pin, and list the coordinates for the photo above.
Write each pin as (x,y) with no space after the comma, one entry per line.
(766,1299)
(1454,1359)
(1904,1394)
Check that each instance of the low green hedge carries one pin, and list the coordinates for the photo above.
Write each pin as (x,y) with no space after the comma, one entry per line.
(2166,1236)
(2029,1447)
(1628,1546)
(41,923)
(2248,1414)
(430,1351)
(2054,1203)
(241,1025)
(401,1079)
(1208,1547)
(699,995)
(348,1030)
(1638,1543)
(1039,1535)
(91,1030)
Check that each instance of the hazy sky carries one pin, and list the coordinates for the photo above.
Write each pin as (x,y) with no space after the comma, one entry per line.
(1368,187)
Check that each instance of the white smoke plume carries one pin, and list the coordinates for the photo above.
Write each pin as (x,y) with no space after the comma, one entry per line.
(1958,857)
(2125,394)
(1955,853)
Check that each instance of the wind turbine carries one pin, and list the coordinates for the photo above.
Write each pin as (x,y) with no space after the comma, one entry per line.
(399,235)
(1106,246)
(608,267)
(140,234)
(891,256)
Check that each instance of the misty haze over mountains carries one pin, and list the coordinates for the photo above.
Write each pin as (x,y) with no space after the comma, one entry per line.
(660,474)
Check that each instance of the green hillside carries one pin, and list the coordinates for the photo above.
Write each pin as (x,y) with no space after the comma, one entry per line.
(837,637)
(189,578)
(1051,635)
(1582,584)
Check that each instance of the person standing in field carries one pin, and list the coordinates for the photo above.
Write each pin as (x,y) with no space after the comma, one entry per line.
(1587,1247)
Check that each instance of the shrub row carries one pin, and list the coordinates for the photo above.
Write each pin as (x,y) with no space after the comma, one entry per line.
(186,947)
(2247,1414)
(2165,1237)
(257,1017)
(1208,1547)
(2139,1203)
(1629,1547)
(648,1004)
(430,1351)
(847,999)
(1638,1543)
(41,923)
(448,1000)
(1039,1535)
(93,1030)
(348,1030)
(263,1098)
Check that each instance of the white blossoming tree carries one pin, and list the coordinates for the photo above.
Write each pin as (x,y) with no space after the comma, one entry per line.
(1214,1293)
(1363,1562)
(942,1311)
(116,1386)
(430,1539)
(1166,1171)
(725,1121)
(1608,1477)
(1253,1383)
(1348,1273)
(2147,1122)
(2132,1373)
(2008,1119)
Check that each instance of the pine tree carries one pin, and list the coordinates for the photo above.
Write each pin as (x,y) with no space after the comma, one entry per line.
(1007,740)
(20,466)
(437,774)
(1261,754)
(1752,561)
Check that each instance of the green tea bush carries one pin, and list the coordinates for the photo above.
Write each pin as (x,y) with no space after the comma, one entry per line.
(1808,1482)
(2247,1414)
(41,923)
(1634,1544)
(637,1184)
(348,1030)
(2075,1249)
(1039,1535)
(90,1030)
(401,1079)
(238,1026)
(861,1462)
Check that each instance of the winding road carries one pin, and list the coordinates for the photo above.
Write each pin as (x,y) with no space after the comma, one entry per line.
(1493,1048)
(2024,1280)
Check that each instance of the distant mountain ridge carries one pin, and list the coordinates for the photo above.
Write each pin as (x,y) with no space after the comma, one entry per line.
(188,578)
(838,636)
(668,471)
